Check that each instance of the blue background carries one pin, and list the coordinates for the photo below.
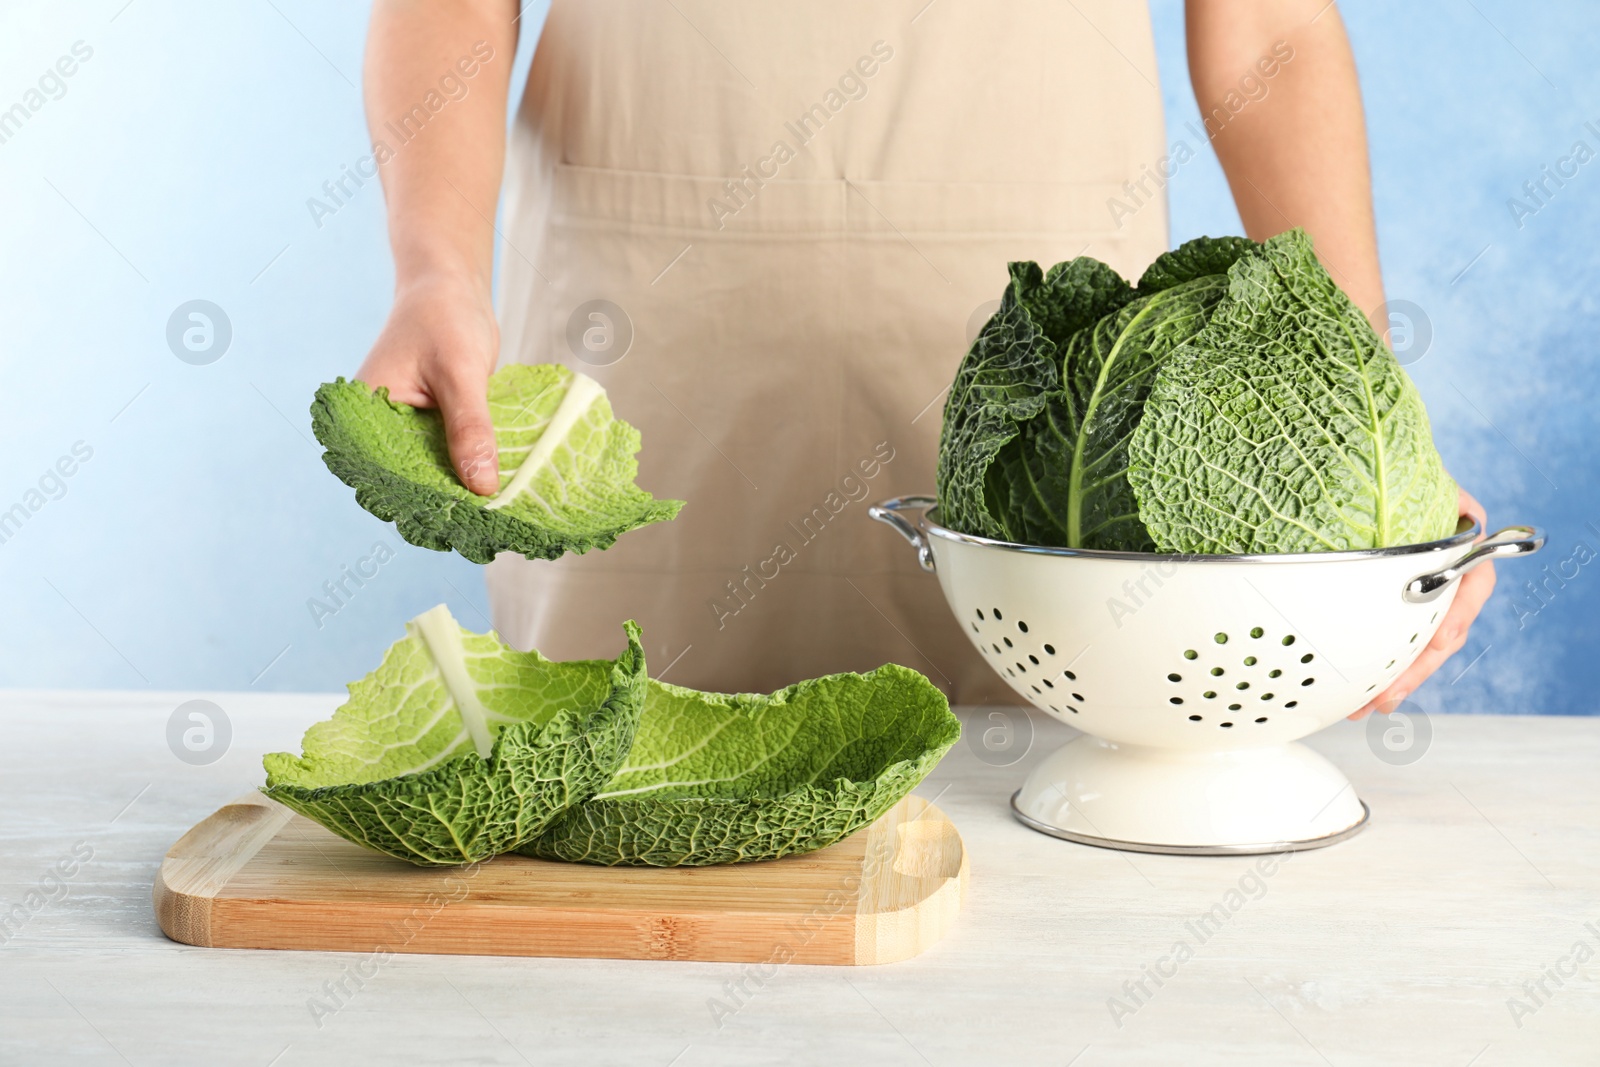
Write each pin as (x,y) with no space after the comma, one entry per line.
(177,166)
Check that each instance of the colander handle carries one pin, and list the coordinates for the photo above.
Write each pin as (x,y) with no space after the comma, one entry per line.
(1512,541)
(889,512)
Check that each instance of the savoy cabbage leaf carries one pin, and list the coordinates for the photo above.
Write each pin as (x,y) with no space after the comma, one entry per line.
(1197,258)
(1063,480)
(1287,425)
(458,747)
(723,778)
(1007,375)
(567,466)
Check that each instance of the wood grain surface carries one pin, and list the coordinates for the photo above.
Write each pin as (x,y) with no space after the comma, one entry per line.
(254,875)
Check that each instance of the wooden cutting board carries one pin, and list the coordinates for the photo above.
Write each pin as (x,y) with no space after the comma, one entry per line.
(256,875)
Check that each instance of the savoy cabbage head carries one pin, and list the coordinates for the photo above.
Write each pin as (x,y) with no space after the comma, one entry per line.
(566,466)
(1234,402)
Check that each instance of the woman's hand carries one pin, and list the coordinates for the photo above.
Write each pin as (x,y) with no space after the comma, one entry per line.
(437,350)
(1452,632)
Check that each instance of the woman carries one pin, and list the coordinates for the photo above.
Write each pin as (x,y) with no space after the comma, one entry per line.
(767,230)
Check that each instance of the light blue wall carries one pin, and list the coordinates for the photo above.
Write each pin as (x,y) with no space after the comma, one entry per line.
(177,166)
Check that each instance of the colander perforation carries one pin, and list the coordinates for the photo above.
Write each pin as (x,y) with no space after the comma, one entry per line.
(1008,643)
(1218,665)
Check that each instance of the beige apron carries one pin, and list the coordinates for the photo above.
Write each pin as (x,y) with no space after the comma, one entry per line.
(800,209)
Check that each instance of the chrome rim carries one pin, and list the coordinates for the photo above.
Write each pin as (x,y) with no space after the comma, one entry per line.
(1262,848)
(1467,531)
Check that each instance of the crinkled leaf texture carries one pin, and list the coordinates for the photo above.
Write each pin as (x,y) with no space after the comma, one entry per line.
(1197,258)
(1006,376)
(726,778)
(396,768)
(1287,425)
(396,458)
(1037,425)
(1064,479)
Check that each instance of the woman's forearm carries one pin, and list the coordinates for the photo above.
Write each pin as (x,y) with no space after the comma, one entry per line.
(1293,145)
(436,78)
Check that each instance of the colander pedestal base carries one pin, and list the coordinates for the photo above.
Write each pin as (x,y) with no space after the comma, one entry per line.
(1224,802)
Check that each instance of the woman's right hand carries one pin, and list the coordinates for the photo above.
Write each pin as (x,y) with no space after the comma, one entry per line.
(438,349)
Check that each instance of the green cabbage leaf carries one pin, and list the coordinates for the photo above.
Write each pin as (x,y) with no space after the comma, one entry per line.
(1007,377)
(1287,425)
(459,747)
(724,778)
(1063,480)
(567,466)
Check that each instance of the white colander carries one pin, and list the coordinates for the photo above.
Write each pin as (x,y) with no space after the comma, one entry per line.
(1192,676)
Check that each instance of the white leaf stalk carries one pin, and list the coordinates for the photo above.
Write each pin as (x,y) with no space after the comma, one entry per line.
(442,635)
(580,396)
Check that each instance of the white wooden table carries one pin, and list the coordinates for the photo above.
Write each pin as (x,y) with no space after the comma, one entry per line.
(1478,873)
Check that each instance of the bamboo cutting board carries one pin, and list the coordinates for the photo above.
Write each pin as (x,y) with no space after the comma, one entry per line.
(255,875)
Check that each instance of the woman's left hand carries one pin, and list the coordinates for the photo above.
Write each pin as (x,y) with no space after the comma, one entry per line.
(1452,632)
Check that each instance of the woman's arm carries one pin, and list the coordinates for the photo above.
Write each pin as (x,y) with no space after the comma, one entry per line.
(1294,146)
(441,184)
